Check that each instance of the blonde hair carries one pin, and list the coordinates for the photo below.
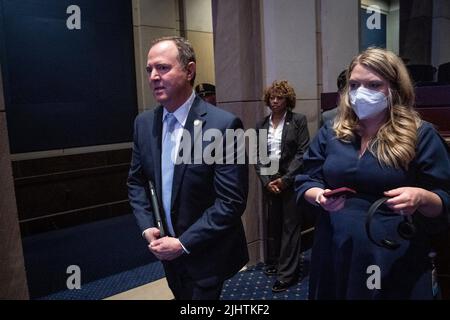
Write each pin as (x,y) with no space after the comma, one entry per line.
(395,142)
(282,89)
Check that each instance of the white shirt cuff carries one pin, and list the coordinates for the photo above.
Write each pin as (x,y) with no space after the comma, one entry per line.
(143,233)
(184,248)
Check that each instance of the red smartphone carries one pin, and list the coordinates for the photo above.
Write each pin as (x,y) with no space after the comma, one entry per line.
(344,191)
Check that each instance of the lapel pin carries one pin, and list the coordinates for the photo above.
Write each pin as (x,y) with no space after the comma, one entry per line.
(197,122)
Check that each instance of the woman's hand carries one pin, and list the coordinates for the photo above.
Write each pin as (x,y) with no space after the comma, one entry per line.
(276,186)
(330,204)
(404,201)
(407,200)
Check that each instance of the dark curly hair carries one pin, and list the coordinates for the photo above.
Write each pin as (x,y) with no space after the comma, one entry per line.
(282,89)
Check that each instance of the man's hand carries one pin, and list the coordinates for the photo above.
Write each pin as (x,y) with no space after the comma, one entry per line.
(151,234)
(166,248)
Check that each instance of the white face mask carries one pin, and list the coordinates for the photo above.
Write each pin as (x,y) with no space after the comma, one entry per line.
(367,103)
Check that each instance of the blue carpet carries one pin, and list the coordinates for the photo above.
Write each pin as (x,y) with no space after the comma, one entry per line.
(112,285)
(101,249)
(253,284)
(114,258)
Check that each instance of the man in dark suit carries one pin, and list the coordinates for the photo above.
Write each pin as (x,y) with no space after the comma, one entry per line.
(288,138)
(207,92)
(201,203)
(330,114)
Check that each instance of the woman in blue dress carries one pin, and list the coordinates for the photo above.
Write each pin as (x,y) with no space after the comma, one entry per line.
(378,146)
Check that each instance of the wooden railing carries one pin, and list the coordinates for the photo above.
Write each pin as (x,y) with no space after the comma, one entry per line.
(58,192)
(433,104)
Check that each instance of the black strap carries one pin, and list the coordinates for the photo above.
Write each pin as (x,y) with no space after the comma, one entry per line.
(385,243)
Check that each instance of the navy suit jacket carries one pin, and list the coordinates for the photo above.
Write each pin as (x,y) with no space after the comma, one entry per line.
(208,200)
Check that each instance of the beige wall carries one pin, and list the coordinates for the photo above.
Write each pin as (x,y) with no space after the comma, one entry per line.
(155,18)
(199,31)
(309,43)
(339,39)
(290,51)
(151,19)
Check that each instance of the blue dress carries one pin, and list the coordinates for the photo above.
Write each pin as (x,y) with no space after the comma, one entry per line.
(342,255)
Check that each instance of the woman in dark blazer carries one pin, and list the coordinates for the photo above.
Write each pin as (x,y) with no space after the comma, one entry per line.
(287,139)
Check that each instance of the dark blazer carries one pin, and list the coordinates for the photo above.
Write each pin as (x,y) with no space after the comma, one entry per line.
(207,200)
(294,141)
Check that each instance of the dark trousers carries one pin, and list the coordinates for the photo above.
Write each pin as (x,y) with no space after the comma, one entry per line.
(185,288)
(284,235)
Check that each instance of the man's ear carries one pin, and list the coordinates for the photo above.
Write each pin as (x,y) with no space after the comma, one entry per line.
(191,68)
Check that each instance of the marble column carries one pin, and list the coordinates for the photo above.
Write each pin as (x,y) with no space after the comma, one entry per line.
(239,87)
(13,284)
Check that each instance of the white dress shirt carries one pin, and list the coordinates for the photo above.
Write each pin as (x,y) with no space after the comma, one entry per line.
(181,115)
(274,138)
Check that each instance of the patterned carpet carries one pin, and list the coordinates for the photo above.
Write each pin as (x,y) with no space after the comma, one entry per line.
(253,284)
(113,259)
(112,285)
